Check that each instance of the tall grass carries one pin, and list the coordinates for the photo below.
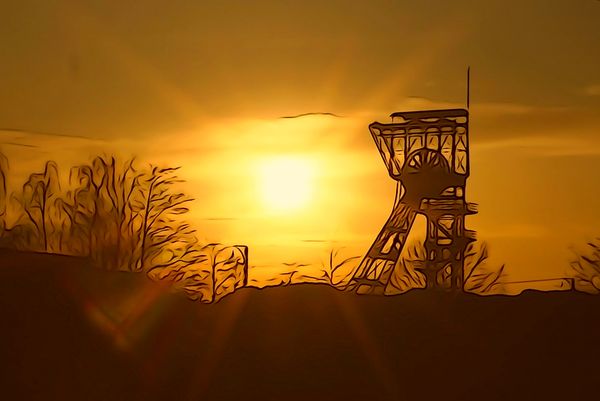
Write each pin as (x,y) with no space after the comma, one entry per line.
(407,274)
(337,270)
(332,266)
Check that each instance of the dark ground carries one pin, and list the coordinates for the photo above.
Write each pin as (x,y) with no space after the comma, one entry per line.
(69,332)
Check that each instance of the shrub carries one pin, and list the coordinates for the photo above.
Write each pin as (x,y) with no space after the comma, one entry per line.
(587,269)
(479,277)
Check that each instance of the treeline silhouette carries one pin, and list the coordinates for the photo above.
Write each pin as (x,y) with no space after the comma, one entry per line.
(121,217)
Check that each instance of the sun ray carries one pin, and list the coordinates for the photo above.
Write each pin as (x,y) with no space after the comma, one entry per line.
(120,321)
(435,46)
(366,341)
(221,333)
(82,20)
(338,73)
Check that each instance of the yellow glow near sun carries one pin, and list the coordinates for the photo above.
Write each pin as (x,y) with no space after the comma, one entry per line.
(286,183)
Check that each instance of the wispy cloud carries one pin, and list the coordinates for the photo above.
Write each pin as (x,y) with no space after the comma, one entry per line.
(44,133)
(542,146)
(482,109)
(592,90)
(506,108)
(327,114)
(25,145)
(486,108)
(517,230)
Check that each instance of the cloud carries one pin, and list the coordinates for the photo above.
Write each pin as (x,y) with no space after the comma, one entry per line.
(517,230)
(309,132)
(47,140)
(542,146)
(506,108)
(42,133)
(486,108)
(592,90)
(19,144)
(328,114)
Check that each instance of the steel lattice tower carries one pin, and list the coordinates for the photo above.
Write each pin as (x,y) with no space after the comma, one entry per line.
(427,154)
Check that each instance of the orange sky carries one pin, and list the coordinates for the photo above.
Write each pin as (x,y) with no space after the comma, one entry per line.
(204,84)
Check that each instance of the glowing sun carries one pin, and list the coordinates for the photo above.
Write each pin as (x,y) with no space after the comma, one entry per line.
(286,183)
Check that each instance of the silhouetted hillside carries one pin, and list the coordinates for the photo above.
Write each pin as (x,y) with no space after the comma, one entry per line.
(71,332)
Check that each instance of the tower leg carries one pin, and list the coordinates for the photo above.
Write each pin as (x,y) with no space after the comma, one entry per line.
(376,268)
(431,275)
(457,275)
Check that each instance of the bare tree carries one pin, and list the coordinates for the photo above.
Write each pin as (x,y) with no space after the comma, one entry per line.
(119,217)
(98,212)
(165,241)
(123,218)
(37,198)
(127,187)
(113,190)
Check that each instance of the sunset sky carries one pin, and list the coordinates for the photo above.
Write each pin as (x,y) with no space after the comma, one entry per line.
(205,84)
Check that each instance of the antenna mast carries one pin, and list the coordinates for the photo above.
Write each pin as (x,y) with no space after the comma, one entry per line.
(468,85)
